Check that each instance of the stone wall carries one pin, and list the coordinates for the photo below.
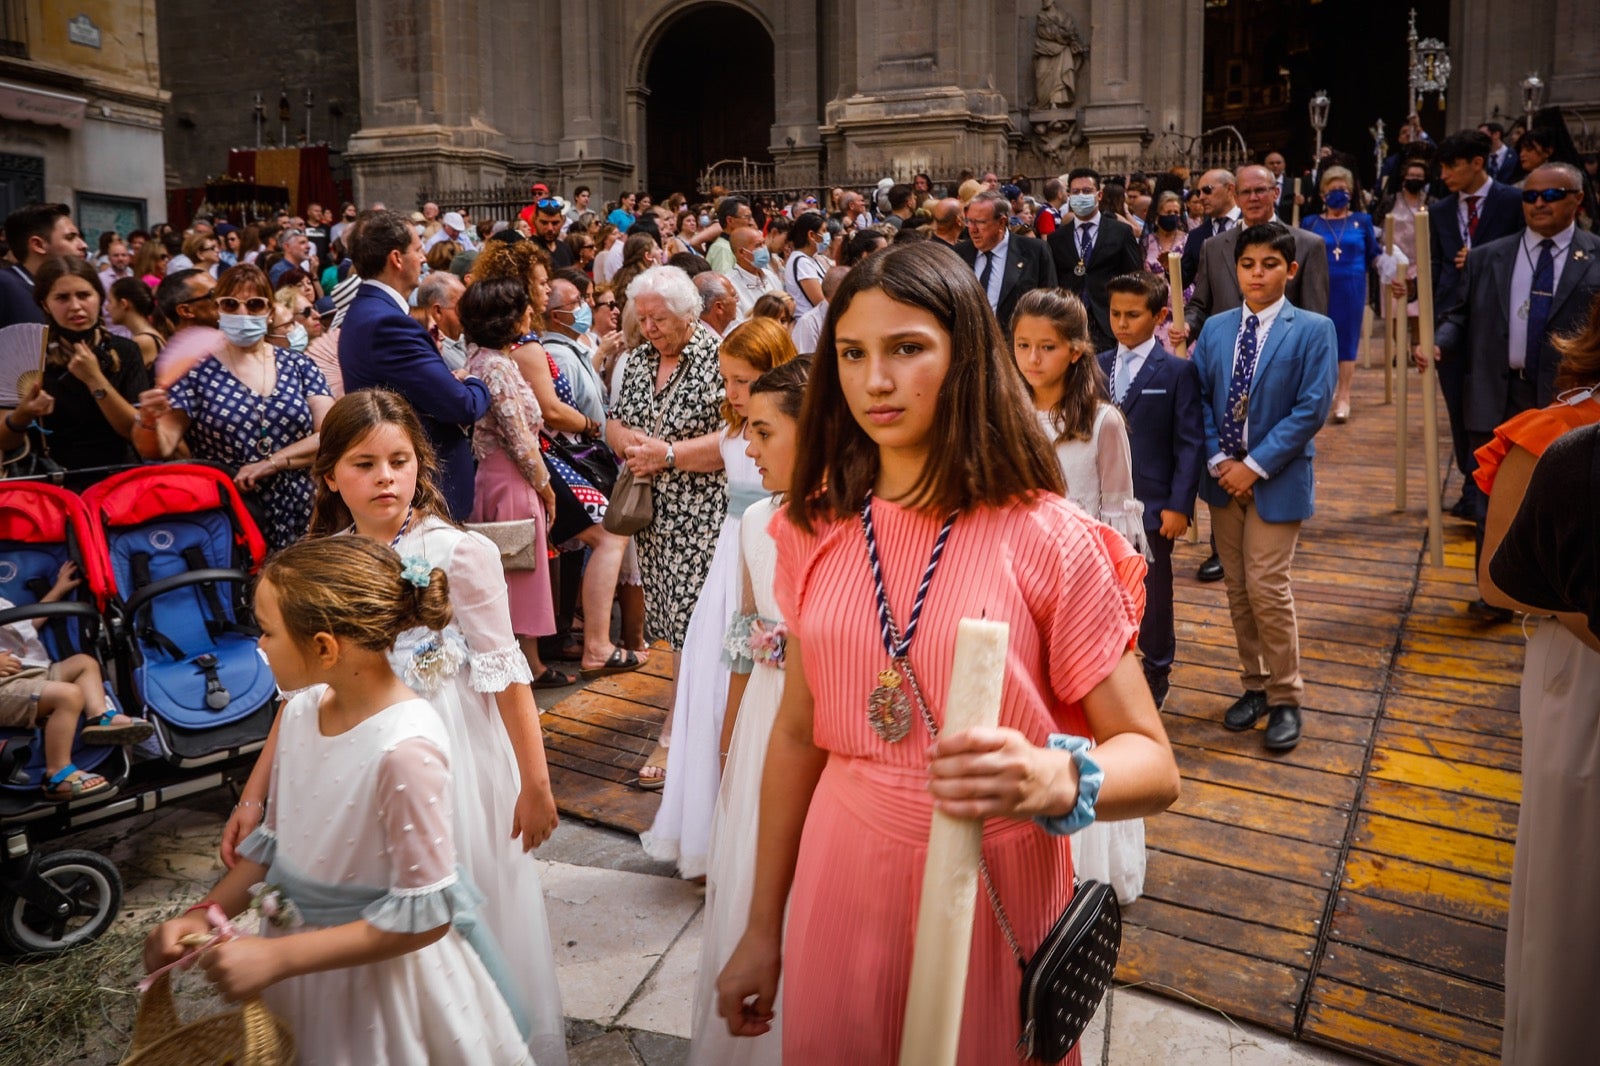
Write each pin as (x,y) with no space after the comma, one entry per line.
(214,63)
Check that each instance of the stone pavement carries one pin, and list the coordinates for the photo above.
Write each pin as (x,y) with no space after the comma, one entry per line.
(627,941)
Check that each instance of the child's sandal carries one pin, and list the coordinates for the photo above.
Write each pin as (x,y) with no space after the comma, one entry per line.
(75,783)
(107,732)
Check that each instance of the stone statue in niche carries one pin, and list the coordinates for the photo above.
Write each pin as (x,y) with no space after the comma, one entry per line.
(1058,52)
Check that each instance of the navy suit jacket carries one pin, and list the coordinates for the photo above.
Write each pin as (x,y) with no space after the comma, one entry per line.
(1115,252)
(1290,396)
(1499,215)
(1198,236)
(1476,333)
(1166,432)
(381,346)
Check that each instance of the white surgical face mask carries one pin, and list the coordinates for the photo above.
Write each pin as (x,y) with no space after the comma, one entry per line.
(1574,397)
(298,338)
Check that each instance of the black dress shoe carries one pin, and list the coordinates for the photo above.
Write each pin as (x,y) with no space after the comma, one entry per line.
(1210,570)
(1463,508)
(1246,711)
(1484,612)
(1283,728)
(1159,687)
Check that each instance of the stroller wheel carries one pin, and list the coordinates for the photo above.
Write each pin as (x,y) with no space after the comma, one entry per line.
(88,890)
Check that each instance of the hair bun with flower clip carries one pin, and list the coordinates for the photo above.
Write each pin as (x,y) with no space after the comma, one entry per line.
(415,570)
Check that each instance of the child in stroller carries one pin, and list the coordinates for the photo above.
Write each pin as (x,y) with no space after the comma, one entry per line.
(35,690)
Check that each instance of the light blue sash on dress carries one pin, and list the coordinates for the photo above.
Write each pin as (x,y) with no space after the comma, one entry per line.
(322,904)
(739,500)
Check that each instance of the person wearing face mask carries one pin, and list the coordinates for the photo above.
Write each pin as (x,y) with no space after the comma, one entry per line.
(1407,196)
(751,275)
(1166,230)
(1090,250)
(80,412)
(802,275)
(1352,251)
(256,406)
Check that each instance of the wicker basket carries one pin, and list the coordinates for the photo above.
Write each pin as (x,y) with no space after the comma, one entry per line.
(249,1035)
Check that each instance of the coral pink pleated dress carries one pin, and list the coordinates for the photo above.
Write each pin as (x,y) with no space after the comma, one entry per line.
(1071,590)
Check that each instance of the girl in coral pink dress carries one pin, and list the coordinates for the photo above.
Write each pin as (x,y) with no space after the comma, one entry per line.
(929,495)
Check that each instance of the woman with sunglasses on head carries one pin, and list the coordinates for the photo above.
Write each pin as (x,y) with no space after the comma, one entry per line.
(255,406)
(80,411)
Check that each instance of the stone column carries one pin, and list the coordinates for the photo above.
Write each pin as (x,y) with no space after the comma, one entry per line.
(799,39)
(924,98)
(1115,122)
(1575,69)
(423,66)
(593,149)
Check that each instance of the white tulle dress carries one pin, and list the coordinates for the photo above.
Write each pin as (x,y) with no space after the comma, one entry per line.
(730,880)
(1099,476)
(460,671)
(681,833)
(359,828)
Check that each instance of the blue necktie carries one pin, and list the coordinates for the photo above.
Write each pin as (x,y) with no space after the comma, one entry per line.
(1085,243)
(1540,296)
(1230,428)
(988,272)
(1119,378)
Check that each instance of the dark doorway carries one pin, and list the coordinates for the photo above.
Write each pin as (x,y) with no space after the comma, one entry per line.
(1265,60)
(711,96)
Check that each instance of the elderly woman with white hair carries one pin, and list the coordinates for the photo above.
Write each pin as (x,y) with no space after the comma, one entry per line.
(667,425)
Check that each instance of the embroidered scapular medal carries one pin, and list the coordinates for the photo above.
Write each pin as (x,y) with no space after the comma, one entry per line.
(888,705)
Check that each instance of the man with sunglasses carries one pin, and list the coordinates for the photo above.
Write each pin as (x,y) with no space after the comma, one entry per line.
(1520,291)
(185,299)
(1222,214)
(548,221)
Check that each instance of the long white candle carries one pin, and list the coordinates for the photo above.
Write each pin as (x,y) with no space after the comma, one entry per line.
(1175,300)
(931,1034)
(1430,415)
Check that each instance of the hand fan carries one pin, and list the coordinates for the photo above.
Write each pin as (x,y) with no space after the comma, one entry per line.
(187,349)
(21,361)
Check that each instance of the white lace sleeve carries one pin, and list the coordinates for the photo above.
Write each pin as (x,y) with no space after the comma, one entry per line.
(1119,509)
(483,613)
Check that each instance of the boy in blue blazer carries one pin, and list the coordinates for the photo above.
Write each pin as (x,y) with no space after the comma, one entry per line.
(1267,371)
(1159,397)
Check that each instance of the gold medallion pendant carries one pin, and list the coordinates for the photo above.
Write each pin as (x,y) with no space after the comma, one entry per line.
(888,708)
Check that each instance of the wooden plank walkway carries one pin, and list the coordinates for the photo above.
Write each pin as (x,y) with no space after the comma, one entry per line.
(1352,892)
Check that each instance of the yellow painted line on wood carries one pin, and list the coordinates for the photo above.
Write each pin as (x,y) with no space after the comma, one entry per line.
(1448,775)
(1434,846)
(1477,899)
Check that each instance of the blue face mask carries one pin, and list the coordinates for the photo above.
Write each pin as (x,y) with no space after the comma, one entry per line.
(823,241)
(1083,204)
(762,258)
(582,318)
(243,331)
(1338,199)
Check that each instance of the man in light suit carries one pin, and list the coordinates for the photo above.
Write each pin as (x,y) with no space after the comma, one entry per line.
(1267,372)
(1090,250)
(381,345)
(1006,265)
(1477,210)
(1521,291)
(1216,288)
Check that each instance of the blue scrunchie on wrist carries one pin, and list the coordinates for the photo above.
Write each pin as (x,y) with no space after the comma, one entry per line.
(1090,778)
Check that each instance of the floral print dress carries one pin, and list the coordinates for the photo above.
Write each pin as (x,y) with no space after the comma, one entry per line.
(675,549)
(231,423)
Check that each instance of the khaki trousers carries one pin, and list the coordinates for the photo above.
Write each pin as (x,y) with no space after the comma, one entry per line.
(1256,557)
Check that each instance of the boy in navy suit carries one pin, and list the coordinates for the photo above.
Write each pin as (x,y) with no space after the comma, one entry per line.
(1159,397)
(1267,371)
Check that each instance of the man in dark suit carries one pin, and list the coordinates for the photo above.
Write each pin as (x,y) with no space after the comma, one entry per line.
(1222,214)
(1502,163)
(1090,250)
(1159,397)
(381,345)
(1007,266)
(1216,289)
(1520,291)
(1477,210)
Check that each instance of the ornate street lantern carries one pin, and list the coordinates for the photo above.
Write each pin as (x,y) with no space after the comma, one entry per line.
(1319,119)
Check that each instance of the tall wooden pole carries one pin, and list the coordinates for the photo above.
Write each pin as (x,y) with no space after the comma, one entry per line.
(1397,346)
(1294,216)
(1430,403)
(1175,301)
(931,1032)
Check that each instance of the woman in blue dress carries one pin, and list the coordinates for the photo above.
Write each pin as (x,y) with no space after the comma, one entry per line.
(250,406)
(1352,252)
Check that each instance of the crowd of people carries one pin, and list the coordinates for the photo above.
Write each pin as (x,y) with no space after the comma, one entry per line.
(843,426)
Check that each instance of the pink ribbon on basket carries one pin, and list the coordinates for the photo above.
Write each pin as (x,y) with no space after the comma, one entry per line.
(225,930)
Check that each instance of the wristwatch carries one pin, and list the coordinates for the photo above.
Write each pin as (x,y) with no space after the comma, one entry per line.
(671,458)
(98,394)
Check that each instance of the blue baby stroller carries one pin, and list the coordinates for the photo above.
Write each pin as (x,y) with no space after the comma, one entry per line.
(180,551)
(49,902)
